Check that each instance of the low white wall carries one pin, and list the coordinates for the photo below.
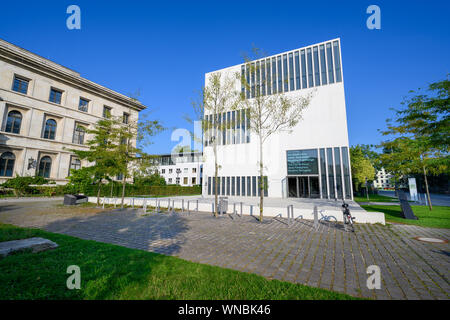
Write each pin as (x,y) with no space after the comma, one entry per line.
(361,216)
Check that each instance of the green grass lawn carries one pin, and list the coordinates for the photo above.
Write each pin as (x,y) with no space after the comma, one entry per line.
(114,272)
(439,217)
(375,198)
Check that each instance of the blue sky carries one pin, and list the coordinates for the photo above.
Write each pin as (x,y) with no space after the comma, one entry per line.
(164,49)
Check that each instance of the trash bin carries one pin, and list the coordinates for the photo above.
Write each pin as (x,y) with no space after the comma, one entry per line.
(223,205)
(72,199)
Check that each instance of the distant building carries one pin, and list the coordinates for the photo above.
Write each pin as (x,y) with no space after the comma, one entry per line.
(184,169)
(45,109)
(384,180)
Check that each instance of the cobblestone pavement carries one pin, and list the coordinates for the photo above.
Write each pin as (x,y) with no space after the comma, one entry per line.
(328,257)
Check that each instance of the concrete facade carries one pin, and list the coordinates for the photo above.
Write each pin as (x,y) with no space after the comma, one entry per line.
(383,180)
(323,127)
(29,144)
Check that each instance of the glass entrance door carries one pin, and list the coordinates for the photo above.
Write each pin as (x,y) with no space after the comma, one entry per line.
(303,187)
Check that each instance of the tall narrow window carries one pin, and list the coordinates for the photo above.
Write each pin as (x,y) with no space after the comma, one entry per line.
(233,126)
(252,79)
(224,128)
(233,186)
(280,75)
(243,133)
(228,186)
(242,82)
(7,160)
(83,105)
(274,75)
(285,74)
(209,186)
(45,166)
(297,71)
(310,68)
(106,112)
(337,61)
(248,125)
(330,172)
(330,64)
(228,127)
(78,135)
(337,160)
(316,66)
(263,78)
(75,164)
(248,187)
(243,185)
(323,171)
(269,81)
(238,126)
(55,96)
(223,186)
(20,85)
(125,118)
(323,64)
(50,129)
(238,186)
(291,72)
(266,187)
(13,122)
(346,165)
(303,59)
(258,79)
(254,186)
(247,79)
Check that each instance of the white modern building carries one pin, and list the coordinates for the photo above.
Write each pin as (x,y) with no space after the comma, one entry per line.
(184,169)
(383,180)
(312,161)
(45,109)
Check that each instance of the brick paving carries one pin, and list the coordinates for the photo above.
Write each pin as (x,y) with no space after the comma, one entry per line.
(328,257)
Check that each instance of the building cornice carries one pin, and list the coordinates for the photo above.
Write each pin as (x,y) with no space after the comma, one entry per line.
(19,56)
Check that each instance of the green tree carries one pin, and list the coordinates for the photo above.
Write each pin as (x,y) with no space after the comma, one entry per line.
(101,153)
(361,165)
(218,96)
(419,133)
(268,113)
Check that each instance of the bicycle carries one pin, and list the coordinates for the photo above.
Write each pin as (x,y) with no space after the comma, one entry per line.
(348,219)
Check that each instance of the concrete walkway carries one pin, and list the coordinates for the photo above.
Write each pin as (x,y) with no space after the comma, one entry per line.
(327,257)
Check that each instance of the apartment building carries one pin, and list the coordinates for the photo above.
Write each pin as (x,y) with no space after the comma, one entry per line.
(184,169)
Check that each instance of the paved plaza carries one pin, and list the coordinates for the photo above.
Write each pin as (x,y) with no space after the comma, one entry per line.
(327,257)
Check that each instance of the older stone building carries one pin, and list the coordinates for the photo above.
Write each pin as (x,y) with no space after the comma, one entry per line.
(45,109)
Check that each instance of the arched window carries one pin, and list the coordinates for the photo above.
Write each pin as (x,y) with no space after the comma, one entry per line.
(13,122)
(45,165)
(78,136)
(50,129)
(7,160)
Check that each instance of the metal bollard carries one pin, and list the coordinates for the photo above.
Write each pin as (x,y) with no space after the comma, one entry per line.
(173,206)
(316,218)
(241,209)
(251,210)
(234,209)
(132,201)
(182,205)
(144,206)
(115,202)
(103,202)
(196,209)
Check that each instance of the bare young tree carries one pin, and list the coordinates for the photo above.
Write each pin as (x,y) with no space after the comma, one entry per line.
(216,97)
(268,111)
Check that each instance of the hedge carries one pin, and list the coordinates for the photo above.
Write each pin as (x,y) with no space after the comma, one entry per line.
(136,190)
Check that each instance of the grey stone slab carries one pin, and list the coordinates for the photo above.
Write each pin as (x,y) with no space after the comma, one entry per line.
(35,244)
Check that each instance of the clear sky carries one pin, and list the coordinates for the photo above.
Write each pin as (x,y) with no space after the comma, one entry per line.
(164,49)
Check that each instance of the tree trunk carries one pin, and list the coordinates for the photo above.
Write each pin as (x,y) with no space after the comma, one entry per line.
(98,192)
(261,184)
(216,173)
(426,187)
(123,190)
